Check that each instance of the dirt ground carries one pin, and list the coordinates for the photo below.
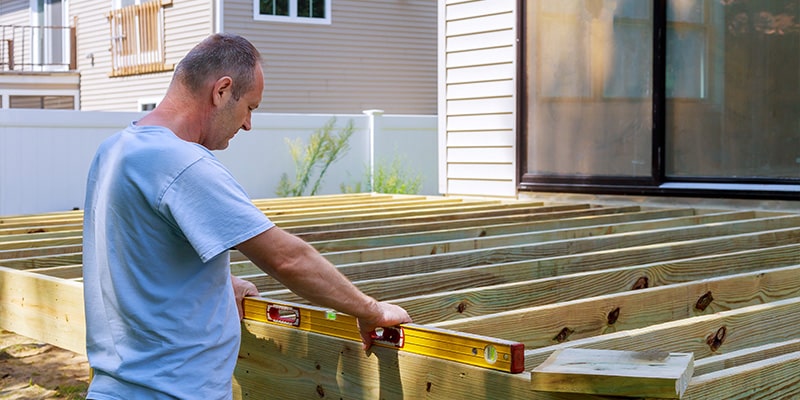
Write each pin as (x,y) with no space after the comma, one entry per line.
(31,370)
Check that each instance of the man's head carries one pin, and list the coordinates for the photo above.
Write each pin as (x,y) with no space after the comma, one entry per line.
(221,82)
(219,55)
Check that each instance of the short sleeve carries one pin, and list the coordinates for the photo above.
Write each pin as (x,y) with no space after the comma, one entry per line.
(211,209)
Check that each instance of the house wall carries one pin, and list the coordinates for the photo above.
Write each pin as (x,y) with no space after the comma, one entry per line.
(477,107)
(186,22)
(14,12)
(22,81)
(375,54)
(45,154)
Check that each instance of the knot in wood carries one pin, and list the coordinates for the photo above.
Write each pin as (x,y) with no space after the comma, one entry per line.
(462,306)
(715,340)
(563,335)
(613,316)
(641,283)
(704,301)
(320,391)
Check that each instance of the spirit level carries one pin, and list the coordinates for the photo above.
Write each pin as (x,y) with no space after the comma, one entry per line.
(477,350)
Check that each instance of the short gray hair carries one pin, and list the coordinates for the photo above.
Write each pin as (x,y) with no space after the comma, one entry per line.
(221,54)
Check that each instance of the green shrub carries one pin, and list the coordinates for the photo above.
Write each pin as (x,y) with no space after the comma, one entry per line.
(313,160)
(392,178)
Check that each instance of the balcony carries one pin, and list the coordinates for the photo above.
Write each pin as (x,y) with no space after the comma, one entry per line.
(26,48)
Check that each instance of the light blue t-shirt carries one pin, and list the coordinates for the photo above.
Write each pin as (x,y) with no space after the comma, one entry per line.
(160,216)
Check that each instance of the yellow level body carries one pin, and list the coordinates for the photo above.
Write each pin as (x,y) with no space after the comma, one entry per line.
(477,350)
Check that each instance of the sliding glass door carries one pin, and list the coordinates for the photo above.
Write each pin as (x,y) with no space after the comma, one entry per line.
(641,96)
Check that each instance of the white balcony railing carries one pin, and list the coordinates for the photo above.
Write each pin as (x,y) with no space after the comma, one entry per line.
(37,48)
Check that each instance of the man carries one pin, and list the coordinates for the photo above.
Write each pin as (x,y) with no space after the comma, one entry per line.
(161,214)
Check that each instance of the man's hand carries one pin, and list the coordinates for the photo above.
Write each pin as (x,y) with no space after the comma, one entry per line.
(389,315)
(242,289)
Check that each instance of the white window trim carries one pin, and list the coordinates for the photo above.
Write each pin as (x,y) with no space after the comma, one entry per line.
(292,17)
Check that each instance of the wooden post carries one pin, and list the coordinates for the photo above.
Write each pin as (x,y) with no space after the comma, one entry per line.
(73,45)
(10,48)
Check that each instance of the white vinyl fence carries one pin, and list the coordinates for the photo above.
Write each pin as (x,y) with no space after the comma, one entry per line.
(45,154)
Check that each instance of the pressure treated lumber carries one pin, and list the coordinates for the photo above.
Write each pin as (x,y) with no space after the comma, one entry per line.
(774,378)
(39,219)
(346,239)
(745,356)
(592,316)
(653,374)
(42,261)
(472,299)
(385,216)
(500,267)
(388,206)
(43,308)
(27,229)
(703,335)
(311,366)
(69,271)
(278,357)
(414,264)
(40,251)
(22,237)
(548,265)
(40,243)
(534,234)
(382,220)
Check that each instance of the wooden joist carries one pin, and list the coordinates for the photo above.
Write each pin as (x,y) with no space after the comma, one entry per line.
(720,284)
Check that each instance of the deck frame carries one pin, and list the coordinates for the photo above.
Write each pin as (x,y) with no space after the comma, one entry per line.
(487,267)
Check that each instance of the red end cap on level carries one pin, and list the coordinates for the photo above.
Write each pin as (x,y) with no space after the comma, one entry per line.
(517,358)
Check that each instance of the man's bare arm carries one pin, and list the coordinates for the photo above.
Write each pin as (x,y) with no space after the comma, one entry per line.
(302,269)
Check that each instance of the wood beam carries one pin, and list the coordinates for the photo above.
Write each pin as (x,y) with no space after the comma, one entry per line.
(450,214)
(774,378)
(745,356)
(704,335)
(429,275)
(593,316)
(565,232)
(43,308)
(421,226)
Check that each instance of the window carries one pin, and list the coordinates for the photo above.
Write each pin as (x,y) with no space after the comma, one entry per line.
(51,36)
(634,96)
(42,102)
(137,37)
(147,104)
(302,11)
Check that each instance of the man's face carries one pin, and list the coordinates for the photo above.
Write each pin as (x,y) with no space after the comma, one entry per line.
(235,114)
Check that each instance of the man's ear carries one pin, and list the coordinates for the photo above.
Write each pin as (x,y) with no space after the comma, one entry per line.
(222,91)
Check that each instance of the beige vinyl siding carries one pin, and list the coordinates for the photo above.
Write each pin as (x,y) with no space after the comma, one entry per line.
(478,103)
(186,22)
(15,12)
(374,55)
